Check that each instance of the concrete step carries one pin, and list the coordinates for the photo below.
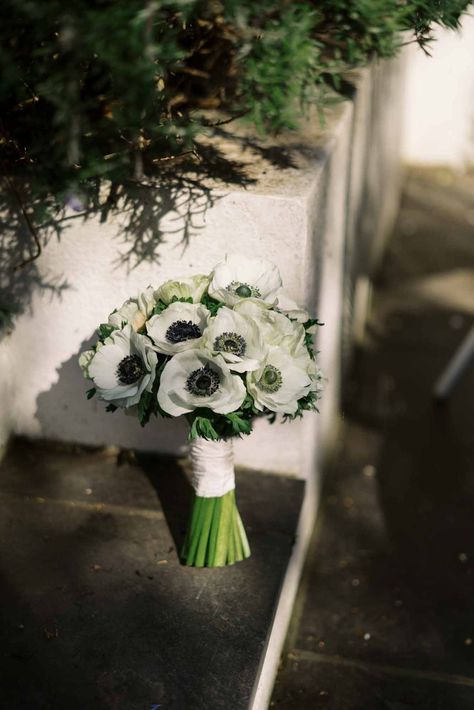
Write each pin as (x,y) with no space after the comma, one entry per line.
(96,609)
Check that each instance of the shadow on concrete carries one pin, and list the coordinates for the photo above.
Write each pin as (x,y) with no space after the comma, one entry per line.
(174,491)
(145,212)
(18,284)
(65,413)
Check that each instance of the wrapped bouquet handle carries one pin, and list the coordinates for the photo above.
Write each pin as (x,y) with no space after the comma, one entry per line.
(216,535)
(212,463)
(221,350)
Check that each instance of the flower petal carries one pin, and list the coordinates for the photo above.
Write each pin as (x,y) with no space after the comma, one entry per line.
(259,275)
(176,397)
(158,327)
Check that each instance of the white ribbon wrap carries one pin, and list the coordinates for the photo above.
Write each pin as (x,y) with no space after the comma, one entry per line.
(213,467)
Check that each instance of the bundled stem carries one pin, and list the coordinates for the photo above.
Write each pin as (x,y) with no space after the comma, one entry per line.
(216,535)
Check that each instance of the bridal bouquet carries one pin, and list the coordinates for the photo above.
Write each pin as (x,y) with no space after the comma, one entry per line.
(220,350)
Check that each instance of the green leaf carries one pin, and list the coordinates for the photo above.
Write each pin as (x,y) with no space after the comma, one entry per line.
(202,426)
(193,433)
(207,430)
(239,424)
(111,408)
(90,393)
(310,322)
(145,408)
(104,330)
(159,308)
(175,299)
(305,404)
(309,342)
(211,304)
(249,404)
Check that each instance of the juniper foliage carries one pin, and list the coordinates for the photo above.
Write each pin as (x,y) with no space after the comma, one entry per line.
(121,91)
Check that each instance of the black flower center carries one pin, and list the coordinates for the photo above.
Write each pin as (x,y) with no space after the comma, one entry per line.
(271,379)
(243,290)
(182,330)
(230,343)
(130,369)
(203,382)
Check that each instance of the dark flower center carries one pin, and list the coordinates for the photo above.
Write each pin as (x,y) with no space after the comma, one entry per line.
(130,369)
(271,379)
(230,343)
(182,330)
(243,290)
(203,382)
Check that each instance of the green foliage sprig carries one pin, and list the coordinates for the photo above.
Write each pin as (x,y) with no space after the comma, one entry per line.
(209,425)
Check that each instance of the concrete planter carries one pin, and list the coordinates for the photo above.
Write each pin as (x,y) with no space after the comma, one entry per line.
(303,217)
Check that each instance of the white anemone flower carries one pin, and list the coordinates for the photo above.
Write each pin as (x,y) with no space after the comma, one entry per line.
(241,277)
(291,309)
(236,338)
(123,367)
(187,287)
(193,379)
(276,328)
(279,382)
(279,331)
(135,311)
(179,327)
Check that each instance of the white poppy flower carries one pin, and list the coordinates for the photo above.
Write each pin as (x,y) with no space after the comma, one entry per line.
(276,328)
(135,311)
(189,287)
(193,379)
(241,277)
(179,327)
(123,367)
(236,338)
(279,382)
(291,309)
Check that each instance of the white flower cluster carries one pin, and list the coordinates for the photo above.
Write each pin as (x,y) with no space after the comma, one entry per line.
(209,343)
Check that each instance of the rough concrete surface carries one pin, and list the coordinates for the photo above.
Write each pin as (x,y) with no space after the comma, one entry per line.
(385,616)
(96,610)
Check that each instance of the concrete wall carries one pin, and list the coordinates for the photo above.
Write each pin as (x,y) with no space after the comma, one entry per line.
(439,100)
(299,202)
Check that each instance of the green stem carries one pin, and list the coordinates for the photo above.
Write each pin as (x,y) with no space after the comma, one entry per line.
(231,557)
(243,536)
(238,543)
(211,555)
(196,524)
(208,514)
(222,544)
(216,535)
